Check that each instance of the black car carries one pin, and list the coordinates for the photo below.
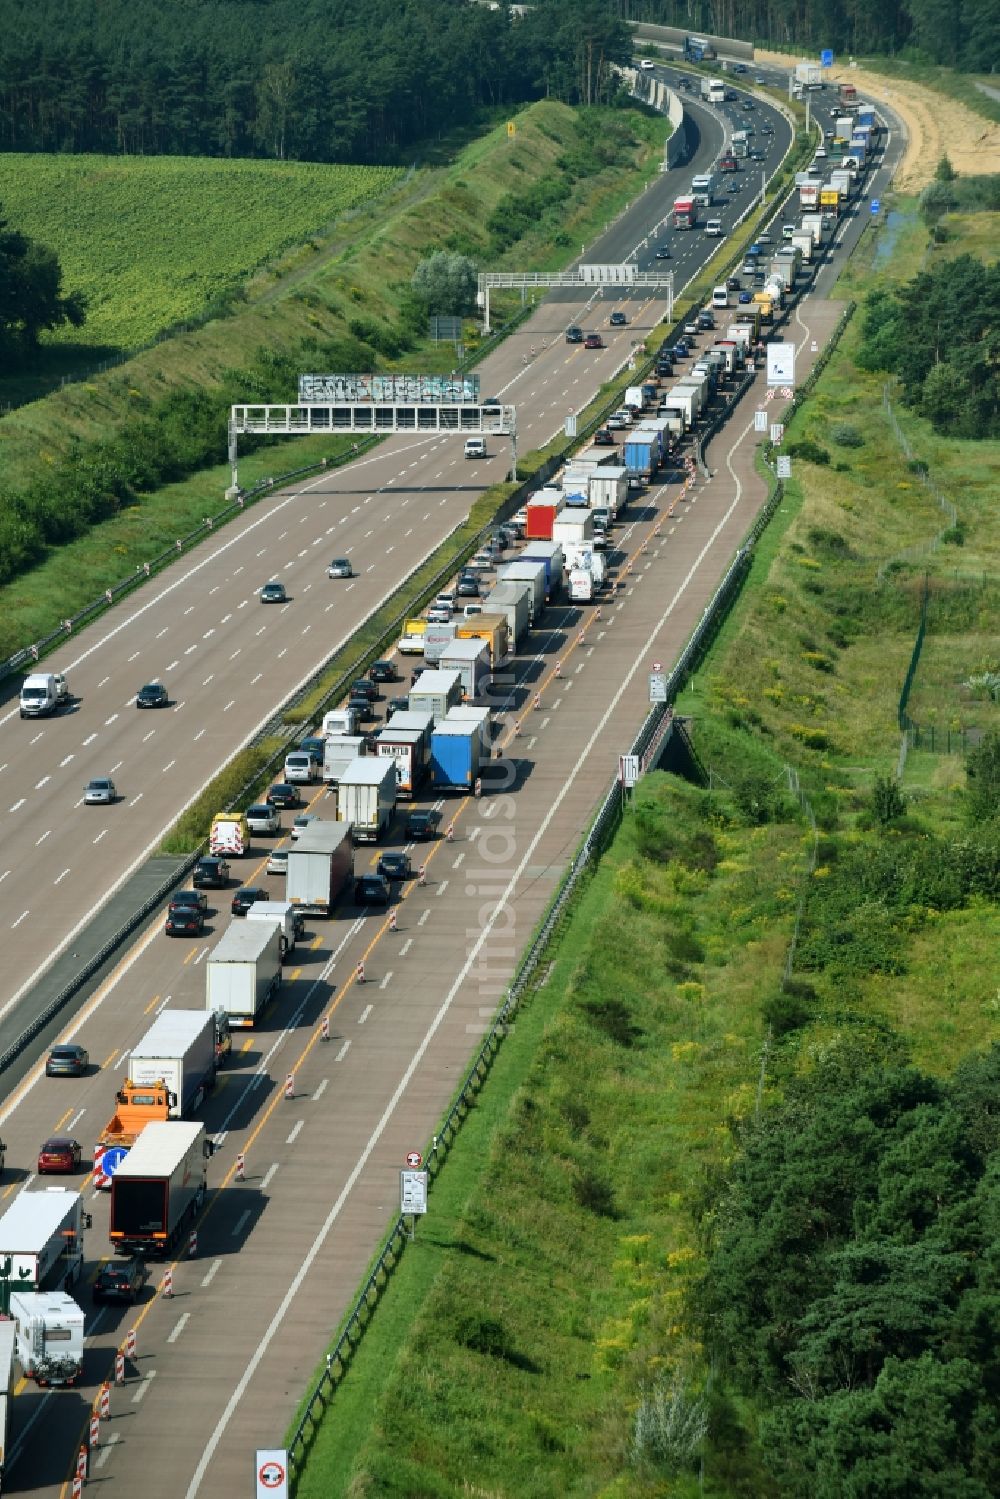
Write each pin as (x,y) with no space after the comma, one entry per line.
(121,1280)
(574,335)
(210,873)
(467,587)
(67,1061)
(365,687)
(273,593)
(361,707)
(244,898)
(282,794)
(618,320)
(397,705)
(184,921)
(705,320)
(372,890)
(422,825)
(190,898)
(395,867)
(383,671)
(663,253)
(153,695)
(604,438)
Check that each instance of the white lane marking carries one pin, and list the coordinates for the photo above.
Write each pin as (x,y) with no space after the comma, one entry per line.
(342,1053)
(36,738)
(161,633)
(89,740)
(365,1013)
(239,1225)
(172,665)
(441,888)
(295,1131)
(213,1271)
(101,834)
(236,653)
(41,840)
(60,877)
(169,766)
(256,679)
(225,619)
(19,803)
(106,1449)
(320,1090)
(209,678)
(65,761)
(148,736)
(423,916)
(147,1380)
(117,767)
(134,657)
(458,860)
(18,921)
(268,1176)
(406,947)
(4,875)
(76,1118)
(179,1326)
(103,682)
(230,704)
(189,609)
(385,982)
(198,736)
(279,1319)
(475,832)
(191,648)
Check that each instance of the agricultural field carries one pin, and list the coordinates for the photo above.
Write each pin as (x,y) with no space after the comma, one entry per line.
(152,241)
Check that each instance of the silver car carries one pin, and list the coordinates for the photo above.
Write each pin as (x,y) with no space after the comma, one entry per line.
(340,567)
(277,862)
(99,792)
(299,826)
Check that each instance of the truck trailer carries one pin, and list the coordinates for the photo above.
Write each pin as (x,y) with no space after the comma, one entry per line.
(514,602)
(338,752)
(41,1234)
(160,1187)
(405,747)
(551,555)
(532,575)
(282,914)
(48,1332)
(178,1050)
(471,659)
(489,627)
(7,1383)
(366,797)
(320,867)
(809,74)
(435,692)
(242,974)
(455,756)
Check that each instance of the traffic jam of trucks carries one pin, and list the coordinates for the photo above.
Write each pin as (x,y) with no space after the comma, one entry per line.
(550,563)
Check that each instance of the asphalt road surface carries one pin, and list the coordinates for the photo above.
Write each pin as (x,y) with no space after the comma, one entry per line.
(221,1366)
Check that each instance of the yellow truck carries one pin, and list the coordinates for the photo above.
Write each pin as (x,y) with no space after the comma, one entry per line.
(765,302)
(491,628)
(411,642)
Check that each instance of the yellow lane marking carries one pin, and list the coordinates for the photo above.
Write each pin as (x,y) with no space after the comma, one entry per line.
(61,1121)
(152,1002)
(247,1044)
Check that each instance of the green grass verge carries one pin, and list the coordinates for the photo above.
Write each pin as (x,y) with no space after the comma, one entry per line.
(549,1285)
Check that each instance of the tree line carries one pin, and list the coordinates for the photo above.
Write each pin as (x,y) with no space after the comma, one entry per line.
(956,33)
(316,80)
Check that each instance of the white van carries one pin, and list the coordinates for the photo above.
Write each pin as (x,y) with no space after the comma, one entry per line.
(300,768)
(284,916)
(475,447)
(714,228)
(720,296)
(340,721)
(42,694)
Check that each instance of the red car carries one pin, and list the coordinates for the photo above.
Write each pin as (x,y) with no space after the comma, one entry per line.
(60,1153)
(593,341)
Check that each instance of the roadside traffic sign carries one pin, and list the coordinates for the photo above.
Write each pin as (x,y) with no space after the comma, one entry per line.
(826,58)
(760,420)
(628,770)
(875,205)
(272,1473)
(784,466)
(657,665)
(777,432)
(414,1159)
(413,1192)
(657,687)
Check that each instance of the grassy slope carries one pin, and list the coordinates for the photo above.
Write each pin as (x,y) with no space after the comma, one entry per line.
(152,239)
(579,1309)
(311,293)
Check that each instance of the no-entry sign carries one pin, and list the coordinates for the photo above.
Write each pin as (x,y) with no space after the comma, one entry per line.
(272,1473)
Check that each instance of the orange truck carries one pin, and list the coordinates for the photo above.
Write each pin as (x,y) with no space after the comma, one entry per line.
(138,1104)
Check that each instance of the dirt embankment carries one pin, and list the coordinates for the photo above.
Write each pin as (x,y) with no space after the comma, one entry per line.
(936,125)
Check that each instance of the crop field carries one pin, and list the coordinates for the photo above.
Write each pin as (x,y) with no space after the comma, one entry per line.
(153,240)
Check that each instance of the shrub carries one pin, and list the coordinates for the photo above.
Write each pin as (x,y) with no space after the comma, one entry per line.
(846,435)
(595,1193)
(613,1018)
(808,451)
(785,1012)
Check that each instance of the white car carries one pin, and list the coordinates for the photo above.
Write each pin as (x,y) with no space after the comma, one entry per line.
(263,818)
(436,616)
(714,228)
(646,65)
(787,230)
(820,152)
(619,419)
(277,862)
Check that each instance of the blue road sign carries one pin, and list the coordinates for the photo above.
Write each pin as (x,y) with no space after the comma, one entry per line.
(875,205)
(112,1159)
(826,58)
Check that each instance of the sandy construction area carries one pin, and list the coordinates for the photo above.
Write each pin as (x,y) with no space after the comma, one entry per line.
(936,125)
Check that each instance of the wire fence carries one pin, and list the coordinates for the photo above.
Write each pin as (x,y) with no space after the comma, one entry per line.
(919,549)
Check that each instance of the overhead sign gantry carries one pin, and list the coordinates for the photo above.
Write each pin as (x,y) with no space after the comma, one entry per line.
(581,278)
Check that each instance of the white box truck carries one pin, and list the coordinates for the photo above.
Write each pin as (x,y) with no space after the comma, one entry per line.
(41,1233)
(809,74)
(366,797)
(160,1186)
(320,866)
(48,1330)
(243,972)
(419,723)
(282,914)
(471,659)
(435,692)
(609,487)
(338,752)
(483,720)
(514,602)
(406,747)
(7,1383)
(178,1050)
(532,573)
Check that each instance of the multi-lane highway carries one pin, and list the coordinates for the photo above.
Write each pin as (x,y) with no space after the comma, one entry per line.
(220,1367)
